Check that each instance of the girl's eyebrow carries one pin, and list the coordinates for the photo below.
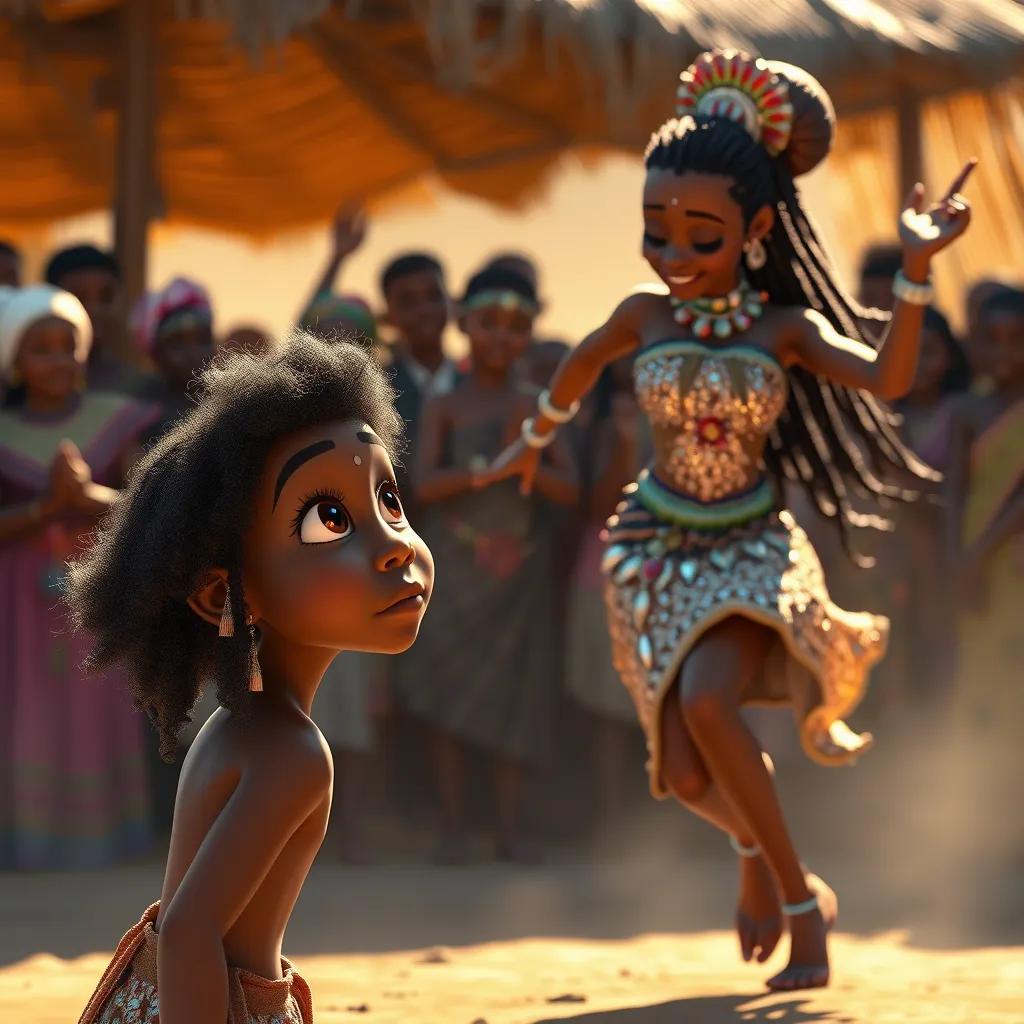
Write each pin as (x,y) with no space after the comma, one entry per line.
(367,438)
(302,456)
(705,216)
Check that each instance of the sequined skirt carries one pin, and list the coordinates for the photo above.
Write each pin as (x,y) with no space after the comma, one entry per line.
(668,582)
(127,992)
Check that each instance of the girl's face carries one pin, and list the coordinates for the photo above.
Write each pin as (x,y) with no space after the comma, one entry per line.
(417,307)
(932,363)
(185,353)
(1002,333)
(498,336)
(694,232)
(46,362)
(330,560)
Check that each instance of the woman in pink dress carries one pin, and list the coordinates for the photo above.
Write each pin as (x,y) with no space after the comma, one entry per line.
(73,789)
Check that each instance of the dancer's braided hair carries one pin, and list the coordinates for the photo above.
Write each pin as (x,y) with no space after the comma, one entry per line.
(186,510)
(830,438)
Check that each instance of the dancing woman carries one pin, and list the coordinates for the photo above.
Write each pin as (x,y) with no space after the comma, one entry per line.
(752,369)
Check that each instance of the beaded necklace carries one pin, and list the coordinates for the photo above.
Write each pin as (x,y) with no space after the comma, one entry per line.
(721,317)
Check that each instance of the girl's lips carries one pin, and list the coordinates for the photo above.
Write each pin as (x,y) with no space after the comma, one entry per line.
(683,279)
(412,599)
(405,606)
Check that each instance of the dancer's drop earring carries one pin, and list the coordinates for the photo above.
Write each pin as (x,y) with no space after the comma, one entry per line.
(757,257)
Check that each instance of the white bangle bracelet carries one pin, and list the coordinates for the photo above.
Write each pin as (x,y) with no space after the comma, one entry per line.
(907,291)
(552,412)
(534,440)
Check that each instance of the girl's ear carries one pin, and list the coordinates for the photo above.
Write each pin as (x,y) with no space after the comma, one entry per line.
(207,601)
(761,223)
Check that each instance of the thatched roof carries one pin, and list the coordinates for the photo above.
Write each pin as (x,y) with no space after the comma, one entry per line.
(326,100)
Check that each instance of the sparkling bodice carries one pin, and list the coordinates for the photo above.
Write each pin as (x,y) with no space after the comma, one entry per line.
(711,409)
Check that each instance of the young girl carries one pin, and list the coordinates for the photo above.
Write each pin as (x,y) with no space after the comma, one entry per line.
(478,673)
(747,375)
(73,791)
(262,534)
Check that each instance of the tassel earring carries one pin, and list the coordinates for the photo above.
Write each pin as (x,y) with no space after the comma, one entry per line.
(255,674)
(227,618)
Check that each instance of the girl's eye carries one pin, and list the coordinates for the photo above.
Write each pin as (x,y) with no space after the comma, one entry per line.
(654,240)
(324,521)
(711,246)
(390,503)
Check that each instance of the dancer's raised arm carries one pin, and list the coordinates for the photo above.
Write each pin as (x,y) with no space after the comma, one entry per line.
(575,376)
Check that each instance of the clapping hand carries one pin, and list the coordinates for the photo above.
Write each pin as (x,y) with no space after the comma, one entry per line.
(70,476)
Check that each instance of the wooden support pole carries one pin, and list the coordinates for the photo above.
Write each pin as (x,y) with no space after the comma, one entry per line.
(133,196)
(910,136)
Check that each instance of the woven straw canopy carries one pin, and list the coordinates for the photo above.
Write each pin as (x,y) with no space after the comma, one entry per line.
(267,114)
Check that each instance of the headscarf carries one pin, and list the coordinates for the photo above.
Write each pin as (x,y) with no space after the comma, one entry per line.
(20,308)
(163,312)
(327,306)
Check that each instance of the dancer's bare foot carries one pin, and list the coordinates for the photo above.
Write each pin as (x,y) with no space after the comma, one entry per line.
(808,958)
(758,913)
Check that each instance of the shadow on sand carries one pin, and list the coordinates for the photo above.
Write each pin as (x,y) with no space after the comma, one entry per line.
(729,1009)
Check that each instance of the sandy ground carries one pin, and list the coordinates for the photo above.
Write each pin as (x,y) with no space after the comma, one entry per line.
(500,945)
(924,844)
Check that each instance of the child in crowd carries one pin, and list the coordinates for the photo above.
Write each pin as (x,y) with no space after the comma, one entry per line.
(417,308)
(975,338)
(611,446)
(478,676)
(985,484)
(260,536)
(877,267)
(913,561)
(174,328)
(73,791)
(93,276)
(329,314)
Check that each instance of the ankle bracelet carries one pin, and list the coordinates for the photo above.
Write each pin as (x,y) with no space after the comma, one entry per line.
(744,851)
(795,909)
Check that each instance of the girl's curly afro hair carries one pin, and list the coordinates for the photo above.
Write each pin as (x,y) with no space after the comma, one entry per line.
(186,509)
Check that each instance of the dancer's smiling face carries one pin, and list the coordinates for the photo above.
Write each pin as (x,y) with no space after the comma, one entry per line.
(694,232)
(330,559)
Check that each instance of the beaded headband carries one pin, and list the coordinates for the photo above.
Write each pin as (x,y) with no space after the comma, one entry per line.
(733,85)
(503,298)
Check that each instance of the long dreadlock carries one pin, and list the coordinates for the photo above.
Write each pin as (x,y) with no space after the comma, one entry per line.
(832,440)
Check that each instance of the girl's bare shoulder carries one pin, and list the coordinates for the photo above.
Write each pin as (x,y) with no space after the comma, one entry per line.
(279,740)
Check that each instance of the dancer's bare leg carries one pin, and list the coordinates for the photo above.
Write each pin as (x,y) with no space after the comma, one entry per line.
(712,681)
(758,912)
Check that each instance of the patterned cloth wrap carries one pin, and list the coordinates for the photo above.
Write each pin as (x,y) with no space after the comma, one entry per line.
(699,538)
(127,992)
